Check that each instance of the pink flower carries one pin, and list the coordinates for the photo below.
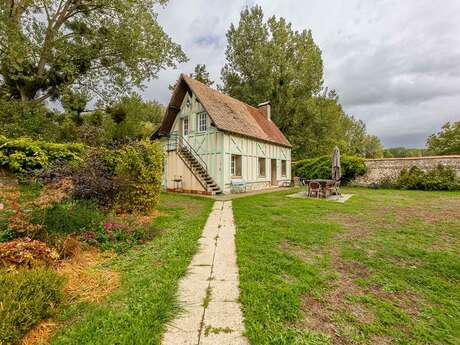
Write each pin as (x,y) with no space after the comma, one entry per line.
(2,206)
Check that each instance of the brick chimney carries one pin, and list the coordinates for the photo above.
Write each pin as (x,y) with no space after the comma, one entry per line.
(266,109)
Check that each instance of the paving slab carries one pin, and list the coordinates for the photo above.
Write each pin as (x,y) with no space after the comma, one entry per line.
(212,276)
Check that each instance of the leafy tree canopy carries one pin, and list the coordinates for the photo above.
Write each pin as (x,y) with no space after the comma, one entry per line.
(447,141)
(99,47)
(201,74)
(135,118)
(268,60)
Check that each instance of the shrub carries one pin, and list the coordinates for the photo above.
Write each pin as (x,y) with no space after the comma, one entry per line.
(139,171)
(320,167)
(118,236)
(26,297)
(25,252)
(440,178)
(93,179)
(69,216)
(24,154)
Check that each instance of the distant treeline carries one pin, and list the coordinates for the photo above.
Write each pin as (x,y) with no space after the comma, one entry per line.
(401,152)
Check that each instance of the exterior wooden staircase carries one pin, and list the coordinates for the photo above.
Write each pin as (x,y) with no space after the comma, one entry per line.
(195,163)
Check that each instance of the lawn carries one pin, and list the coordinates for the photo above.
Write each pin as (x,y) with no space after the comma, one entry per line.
(104,293)
(137,311)
(383,268)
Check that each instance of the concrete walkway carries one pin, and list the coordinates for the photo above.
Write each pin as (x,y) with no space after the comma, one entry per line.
(209,292)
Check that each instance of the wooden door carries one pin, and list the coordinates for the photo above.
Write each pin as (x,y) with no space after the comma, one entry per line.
(274,180)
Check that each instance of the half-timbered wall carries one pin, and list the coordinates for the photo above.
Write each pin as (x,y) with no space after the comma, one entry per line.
(250,151)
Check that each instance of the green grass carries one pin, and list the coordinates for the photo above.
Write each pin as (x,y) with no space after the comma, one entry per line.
(138,310)
(26,297)
(382,268)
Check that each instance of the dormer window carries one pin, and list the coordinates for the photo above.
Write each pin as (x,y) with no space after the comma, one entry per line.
(202,122)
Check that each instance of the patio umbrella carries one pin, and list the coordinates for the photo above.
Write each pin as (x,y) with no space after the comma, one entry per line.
(336,169)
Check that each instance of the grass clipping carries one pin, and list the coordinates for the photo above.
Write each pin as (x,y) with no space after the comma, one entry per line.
(86,282)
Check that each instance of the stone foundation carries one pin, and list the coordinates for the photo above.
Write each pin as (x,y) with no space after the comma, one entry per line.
(377,169)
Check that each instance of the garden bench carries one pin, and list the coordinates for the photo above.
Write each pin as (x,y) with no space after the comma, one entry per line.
(238,185)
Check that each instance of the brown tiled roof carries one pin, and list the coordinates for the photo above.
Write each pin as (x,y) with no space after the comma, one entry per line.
(226,113)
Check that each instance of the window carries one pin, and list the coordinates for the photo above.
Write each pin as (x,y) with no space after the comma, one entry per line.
(261,166)
(185,126)
(235,168)
(283,168)
(202,122)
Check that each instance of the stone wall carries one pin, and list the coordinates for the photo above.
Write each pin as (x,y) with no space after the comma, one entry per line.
(377,169)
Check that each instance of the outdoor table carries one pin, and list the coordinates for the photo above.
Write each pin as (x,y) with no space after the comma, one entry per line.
(322,182)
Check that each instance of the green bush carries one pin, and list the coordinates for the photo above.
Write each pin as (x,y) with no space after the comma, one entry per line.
(26,297)
(118,236)
(138,175)
(320,167)
(440,178)
(69,216)
(24,154)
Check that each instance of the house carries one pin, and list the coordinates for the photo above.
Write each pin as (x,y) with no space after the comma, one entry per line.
(217,144)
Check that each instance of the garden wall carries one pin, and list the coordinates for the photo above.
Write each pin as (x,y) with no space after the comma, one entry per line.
(391,167)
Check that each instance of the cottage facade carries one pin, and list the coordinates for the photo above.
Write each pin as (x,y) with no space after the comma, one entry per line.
(217,144)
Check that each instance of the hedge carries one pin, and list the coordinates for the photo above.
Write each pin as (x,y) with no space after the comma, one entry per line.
(439,178)
(130,177)
(24,154)
(320,167)
(139,171)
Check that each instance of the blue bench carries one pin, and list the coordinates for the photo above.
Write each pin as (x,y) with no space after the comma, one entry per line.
(238,185)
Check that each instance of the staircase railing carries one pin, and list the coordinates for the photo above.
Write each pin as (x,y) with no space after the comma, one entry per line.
(179,142)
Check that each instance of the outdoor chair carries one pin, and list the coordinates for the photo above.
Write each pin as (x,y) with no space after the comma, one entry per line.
(327,189)
(314,188)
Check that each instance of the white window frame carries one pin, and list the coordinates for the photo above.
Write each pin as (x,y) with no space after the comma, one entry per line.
(185,126)
(202,122)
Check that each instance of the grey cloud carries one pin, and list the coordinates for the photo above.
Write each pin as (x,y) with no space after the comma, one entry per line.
(394,64)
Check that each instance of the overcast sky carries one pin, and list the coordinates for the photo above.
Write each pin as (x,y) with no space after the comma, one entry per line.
(394,64)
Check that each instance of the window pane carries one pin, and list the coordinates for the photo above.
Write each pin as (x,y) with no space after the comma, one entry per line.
(261,166)
(283,168)
(238,166)
(235,167)
(185,125)
(202,119)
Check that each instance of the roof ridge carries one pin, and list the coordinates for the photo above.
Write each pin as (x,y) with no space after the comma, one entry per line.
(228,113)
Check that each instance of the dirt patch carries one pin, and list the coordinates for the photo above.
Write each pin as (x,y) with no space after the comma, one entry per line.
(318,317)
(355,228)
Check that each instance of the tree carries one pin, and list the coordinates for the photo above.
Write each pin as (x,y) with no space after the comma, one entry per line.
(270,61)
(201,74)
(447,141)
(100,47)
(135,118)
(397,152)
